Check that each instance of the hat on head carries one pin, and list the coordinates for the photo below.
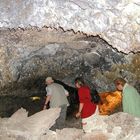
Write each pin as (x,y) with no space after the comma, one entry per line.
(49,79)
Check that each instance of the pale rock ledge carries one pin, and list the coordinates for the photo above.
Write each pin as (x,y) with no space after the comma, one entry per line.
(119,126)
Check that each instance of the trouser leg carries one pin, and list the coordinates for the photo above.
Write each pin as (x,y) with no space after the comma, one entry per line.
(87,123)
(60,122)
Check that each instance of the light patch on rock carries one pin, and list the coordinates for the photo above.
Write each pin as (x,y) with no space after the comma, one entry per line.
(91,17)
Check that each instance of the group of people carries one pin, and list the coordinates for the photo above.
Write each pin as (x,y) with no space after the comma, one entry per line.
(57,96)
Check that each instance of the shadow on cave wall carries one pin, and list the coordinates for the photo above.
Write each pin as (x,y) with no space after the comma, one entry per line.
(35,88)
(11,103)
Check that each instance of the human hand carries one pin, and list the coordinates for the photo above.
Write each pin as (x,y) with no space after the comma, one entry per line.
(78,114)
(44,107)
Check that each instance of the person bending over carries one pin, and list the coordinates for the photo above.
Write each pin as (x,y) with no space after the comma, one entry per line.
(57,96)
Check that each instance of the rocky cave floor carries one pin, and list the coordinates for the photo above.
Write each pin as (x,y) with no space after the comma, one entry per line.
(10,105)
(37,123)
(72,122)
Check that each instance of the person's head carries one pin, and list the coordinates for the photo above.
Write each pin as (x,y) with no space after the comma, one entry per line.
(79,82)
(119,83)
(49,80)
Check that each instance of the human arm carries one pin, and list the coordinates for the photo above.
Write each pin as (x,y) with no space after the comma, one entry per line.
(48,97)
(80,109)
(47,101)
(66,92)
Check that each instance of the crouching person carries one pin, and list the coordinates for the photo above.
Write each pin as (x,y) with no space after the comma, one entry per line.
(57,96)
(87,108)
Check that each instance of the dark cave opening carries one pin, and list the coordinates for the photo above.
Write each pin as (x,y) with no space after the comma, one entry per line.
(35,101)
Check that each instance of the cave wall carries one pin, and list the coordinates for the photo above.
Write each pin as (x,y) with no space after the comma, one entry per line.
(28,56)
(116,21)
(98,40)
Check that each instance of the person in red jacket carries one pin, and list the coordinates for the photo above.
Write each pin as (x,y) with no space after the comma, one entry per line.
(86,107)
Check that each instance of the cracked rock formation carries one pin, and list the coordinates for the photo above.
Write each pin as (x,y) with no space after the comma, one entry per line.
(120,126)
(28,56)
(117,22)
(96,39)
(53,37)
(28,128)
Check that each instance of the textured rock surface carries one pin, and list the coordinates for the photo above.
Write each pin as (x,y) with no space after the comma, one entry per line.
(120,126)
(30,51)
(27,57)
(118,22)
(30,128)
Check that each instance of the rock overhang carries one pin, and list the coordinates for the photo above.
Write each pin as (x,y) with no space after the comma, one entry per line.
(117,22)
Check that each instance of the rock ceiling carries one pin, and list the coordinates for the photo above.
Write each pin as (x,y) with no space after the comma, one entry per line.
(117,22)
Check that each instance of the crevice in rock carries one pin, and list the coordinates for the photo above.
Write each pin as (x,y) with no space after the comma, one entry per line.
(30,52)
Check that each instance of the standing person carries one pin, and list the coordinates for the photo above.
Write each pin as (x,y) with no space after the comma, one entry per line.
(57,96)
(130,97)
(86,107)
